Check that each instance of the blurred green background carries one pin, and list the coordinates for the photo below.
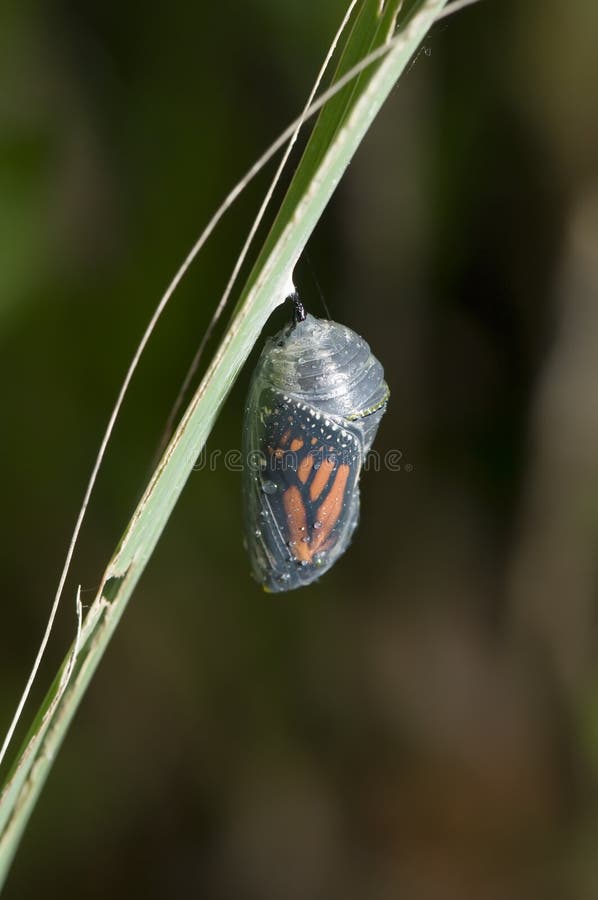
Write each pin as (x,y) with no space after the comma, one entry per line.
(423,722)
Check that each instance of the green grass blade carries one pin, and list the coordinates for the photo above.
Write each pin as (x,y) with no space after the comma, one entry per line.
(340,128)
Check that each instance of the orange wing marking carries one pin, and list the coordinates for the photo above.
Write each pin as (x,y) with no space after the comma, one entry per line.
(330,509)
(321,478)
(278,453)
(304,468)
(297,522)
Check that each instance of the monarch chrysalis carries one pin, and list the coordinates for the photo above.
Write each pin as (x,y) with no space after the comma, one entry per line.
(314,405)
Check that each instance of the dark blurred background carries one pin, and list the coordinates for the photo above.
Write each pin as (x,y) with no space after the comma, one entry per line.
(423,723)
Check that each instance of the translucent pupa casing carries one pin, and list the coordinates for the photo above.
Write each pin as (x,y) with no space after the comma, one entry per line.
(314,405)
